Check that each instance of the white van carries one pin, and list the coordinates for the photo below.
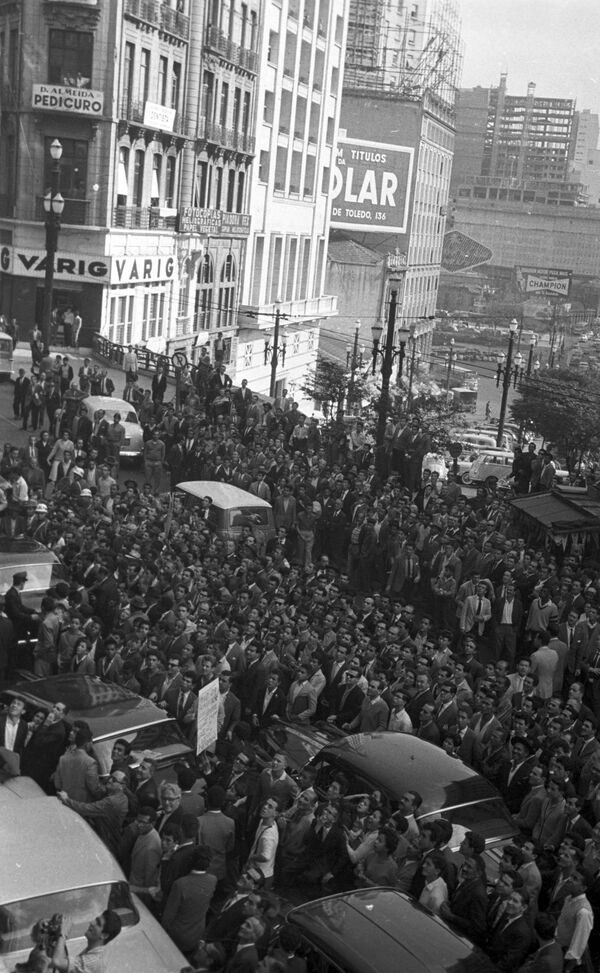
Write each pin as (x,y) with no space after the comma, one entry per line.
(490,467)
(233,508)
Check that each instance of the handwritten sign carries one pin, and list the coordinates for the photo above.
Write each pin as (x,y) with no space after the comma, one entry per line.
(208,708)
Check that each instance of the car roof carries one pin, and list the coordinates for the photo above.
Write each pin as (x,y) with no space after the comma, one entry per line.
(24,550)
(379,930)
(109,403)
(407,763)
(222,494)
(32,865)
(107,708)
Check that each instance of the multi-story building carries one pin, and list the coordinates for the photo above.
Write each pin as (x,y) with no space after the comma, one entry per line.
(515,148)
(298,98)
(107,80)
(585,155)
(395,158)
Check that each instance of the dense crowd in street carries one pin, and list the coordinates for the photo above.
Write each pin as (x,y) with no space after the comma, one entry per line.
(387,600)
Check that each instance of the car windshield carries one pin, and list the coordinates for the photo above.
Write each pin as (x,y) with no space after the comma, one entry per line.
(81,905)
(76,692)
(109,415)
(298,749)
(249,516)
(159,741)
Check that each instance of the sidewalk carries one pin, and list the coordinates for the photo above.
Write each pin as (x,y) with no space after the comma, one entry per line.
(22,359)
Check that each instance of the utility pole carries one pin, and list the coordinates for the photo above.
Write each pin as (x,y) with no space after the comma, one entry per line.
(552,343)
(386,369)
(275,351)
(532,344)
(450,363)
(54,205)
(506,381)
(412,370)
(353,366)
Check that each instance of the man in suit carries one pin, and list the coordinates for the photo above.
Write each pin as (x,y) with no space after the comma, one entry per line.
(467,908)
(349,698)
(466,748)
(167,693)
(270,703)
(145,791)
(216,831)
(302,698)
(21,386)
(513,779)
(374,712)
(507,617)
(24,619)
(326,856)
(548,958)
(230,709)
(184,916)
(13,736)
(477,611)
(186,708)
(511,939)
(284,509)
(566,634)
(242,399)
(253,683)
(245,958)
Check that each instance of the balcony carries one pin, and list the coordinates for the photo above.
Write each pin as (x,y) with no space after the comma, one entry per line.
(226,137)
(132,110)
(175,23)
(307,309)
(142,218)
(148,11)
(75,213)
(241,57)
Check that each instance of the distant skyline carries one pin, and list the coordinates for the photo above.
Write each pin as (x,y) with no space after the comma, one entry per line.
(554,43)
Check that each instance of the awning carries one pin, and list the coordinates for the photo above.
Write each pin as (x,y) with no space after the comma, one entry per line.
(561,513)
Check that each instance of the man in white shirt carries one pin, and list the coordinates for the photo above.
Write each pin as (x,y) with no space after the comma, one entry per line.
(575,923)
(13,736)
(264,847)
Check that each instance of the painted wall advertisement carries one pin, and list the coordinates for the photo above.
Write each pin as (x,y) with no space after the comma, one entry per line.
(546,280)
(371,186)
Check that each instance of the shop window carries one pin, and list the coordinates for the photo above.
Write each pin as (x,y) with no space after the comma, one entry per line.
(204,294)
(227,292)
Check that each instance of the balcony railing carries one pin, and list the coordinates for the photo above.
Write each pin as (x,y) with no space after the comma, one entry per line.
(227,137)
(142,218)
(217,41)
(75,213)
(145,10)
(132,110)
(175,23)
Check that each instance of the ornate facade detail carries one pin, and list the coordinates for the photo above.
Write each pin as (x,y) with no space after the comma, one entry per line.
(72,16)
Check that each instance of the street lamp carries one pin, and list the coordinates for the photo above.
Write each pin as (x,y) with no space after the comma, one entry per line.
(504,372)
(54,205)
(532,343)
(353,361)
(388,352)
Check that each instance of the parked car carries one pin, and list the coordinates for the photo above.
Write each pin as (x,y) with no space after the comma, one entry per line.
(42,566)
(379,930)
(111,712)
(52,862)
(489,468)
(394,763)
(232,508)
(133,445)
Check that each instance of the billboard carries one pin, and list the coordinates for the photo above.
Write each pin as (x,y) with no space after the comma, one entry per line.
(60,97)
(544,280)
(371,186)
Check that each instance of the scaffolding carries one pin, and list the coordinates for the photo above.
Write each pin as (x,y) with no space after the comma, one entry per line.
(409,50)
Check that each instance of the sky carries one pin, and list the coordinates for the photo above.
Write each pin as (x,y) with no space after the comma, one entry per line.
(555,43)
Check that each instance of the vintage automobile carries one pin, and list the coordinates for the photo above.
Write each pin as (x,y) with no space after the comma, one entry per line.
(111,712)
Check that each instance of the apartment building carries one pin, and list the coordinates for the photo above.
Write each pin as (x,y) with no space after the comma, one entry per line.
(298,106)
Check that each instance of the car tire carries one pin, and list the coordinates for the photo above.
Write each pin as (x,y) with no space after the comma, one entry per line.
(466,478)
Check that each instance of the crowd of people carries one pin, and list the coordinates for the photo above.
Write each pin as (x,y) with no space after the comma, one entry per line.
(387,600)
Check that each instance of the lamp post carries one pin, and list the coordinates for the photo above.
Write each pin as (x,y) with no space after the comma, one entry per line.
(413,360)
(451,359)
(386,366)
(54,205)
(532,343)
(505,374)
(352,361)
(275,350)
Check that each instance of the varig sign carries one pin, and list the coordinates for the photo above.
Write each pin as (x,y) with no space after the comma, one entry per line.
(371,186)
(67,266)
(546,280)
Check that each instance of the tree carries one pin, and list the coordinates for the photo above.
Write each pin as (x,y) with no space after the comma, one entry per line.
(563,407)
(330,386)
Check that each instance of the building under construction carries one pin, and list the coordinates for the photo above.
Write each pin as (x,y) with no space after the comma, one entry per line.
(404,49)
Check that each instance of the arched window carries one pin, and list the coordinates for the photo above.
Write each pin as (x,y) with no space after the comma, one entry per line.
(204,294)
(227,292)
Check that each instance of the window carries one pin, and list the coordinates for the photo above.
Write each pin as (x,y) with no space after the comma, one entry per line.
(268,107)
(224,104)
(227,292)
(259,250)
(248,356)
(128,72)
(70,58)
(154,309)
(175,85)
(230,190)
(305,269)
(290,270)
(204,294)
(319,268)
(155,188)
(138,177)
(246,112)
(13,59)
(237,107)
(121,317)
(73,168)
(218,187)
(263,166)
(202,186)
(244,25)
(163,70)
(144,85)
(275,269)
(123,177)
(170,182)
(241,184)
